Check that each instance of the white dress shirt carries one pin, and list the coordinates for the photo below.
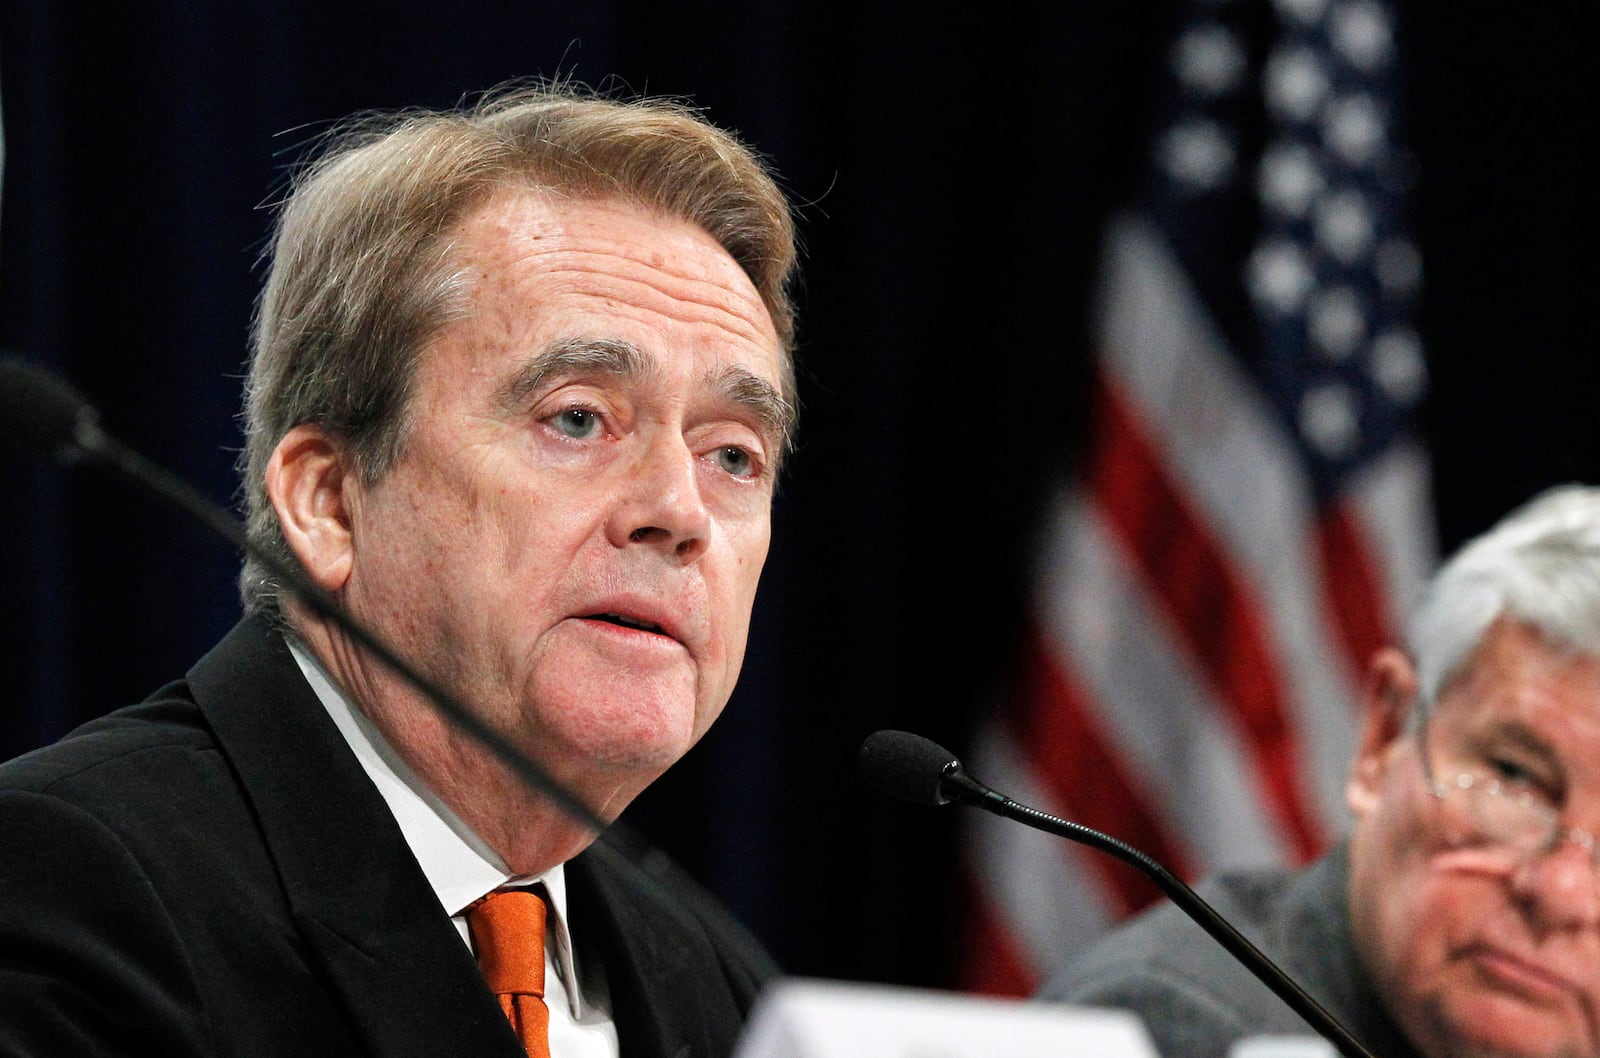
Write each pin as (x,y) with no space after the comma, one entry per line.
(461,868)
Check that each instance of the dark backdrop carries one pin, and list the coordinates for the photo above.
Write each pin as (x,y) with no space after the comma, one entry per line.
(953,171)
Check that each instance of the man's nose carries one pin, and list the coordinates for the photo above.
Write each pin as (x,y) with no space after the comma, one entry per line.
(660,504)
(1561,889)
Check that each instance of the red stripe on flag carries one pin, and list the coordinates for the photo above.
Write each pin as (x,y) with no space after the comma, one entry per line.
(1350,588)
(1210,609)
(1060,736)
(990,960)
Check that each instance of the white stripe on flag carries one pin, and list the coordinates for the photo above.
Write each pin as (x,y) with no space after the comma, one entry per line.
(1040,886)
(1163,722)
(1391,499)
(1226,451)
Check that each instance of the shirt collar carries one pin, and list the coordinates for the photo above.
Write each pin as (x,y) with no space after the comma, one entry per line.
(459,865)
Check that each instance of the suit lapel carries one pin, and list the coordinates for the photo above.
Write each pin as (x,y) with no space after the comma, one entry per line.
(657,960)
(370,920)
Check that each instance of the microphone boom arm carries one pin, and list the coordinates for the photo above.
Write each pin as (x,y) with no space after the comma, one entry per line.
(956,785)
(88,443)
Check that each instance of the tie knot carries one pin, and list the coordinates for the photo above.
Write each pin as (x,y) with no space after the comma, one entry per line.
(507,928)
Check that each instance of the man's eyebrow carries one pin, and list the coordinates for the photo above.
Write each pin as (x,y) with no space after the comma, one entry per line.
(749,390)
(573,356)
(1517,732)
(620,359)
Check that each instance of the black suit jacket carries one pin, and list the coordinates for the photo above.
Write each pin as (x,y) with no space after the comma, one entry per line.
(211,873)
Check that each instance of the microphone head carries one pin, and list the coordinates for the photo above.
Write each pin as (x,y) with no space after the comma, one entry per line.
(39,411)
(906,766)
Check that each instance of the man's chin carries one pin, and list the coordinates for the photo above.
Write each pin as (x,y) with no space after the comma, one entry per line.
(1501,1026)
(638,738)
(611,712)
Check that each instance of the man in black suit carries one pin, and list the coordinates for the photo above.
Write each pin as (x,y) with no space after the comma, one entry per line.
(519,392)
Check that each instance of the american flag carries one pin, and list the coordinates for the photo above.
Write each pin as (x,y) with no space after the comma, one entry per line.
(1250,517)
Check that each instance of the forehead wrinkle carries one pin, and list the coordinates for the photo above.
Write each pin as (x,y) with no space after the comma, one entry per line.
(690,300)
(570,356)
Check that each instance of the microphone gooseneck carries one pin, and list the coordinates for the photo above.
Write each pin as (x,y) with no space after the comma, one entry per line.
(41,412)
(916,769)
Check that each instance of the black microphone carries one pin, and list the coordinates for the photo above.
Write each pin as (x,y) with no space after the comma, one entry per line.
(41,412)
(915,769)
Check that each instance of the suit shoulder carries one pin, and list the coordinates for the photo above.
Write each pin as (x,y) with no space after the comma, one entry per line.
(153,776)
(138,745)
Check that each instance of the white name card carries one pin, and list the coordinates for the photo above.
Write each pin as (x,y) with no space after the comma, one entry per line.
(807,1018)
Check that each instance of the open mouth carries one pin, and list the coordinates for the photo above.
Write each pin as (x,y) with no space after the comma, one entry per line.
(624,621)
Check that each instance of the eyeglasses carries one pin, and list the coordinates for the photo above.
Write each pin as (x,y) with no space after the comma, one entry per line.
(1500,814)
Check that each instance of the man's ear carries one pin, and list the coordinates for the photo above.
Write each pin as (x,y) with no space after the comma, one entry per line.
(306,485)
(1390,695)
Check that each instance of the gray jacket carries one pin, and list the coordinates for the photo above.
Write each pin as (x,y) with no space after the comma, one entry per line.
(1197,1000)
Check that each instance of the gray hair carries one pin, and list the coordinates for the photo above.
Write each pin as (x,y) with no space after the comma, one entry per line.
(1539,566)
(362,275)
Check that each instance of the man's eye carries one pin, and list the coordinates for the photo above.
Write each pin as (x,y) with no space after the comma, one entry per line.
(580,424)
(736,461)
(1509,771)
(1516,776)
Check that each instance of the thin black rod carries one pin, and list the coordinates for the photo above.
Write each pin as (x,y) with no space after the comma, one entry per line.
(980,796)
(91,444)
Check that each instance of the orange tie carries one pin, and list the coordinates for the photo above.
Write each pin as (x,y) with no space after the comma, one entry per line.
(507,928)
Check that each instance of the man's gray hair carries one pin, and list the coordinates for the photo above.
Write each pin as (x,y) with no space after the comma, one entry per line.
(1539,566)
(363,275)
